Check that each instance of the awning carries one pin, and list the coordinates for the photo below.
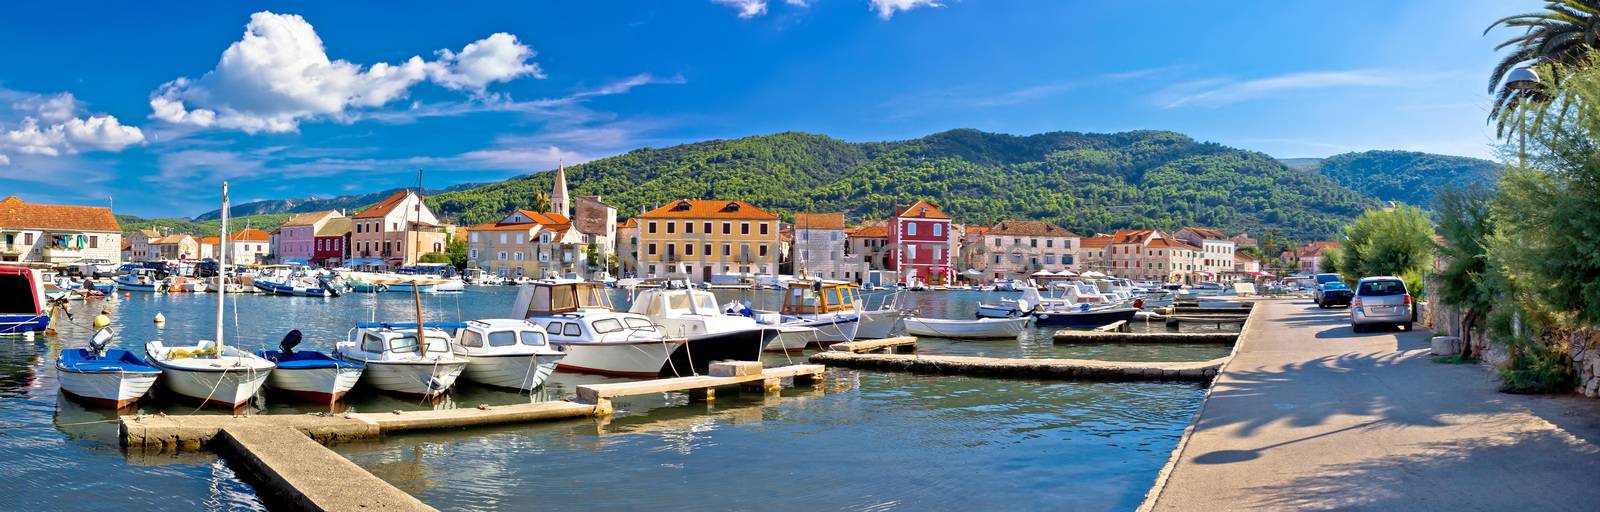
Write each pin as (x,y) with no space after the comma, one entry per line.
(296,261)
(365,261)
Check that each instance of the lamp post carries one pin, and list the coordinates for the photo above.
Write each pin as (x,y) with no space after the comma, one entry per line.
(1523,79)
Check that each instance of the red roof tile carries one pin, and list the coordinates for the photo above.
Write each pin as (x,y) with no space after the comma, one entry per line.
(920,210)
(385,206)
(708,209)
(16,214)
(819,221)
(250,235)
(1030,228)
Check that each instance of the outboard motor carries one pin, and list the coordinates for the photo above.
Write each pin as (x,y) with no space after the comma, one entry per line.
(101,340)
(290,341)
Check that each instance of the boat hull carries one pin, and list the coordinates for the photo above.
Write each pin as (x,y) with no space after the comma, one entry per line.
(879,324)
(1091,318)
(406,288)
(700,351)
(832,330)
(295,291)
(643,359)
(232,388)
(12,324)
(415,378)
(519,371)
(111,389)
(321,385)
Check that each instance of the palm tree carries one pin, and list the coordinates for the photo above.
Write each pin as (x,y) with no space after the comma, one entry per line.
(1564,33)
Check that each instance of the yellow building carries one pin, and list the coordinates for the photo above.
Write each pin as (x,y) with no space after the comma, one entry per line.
(696,239)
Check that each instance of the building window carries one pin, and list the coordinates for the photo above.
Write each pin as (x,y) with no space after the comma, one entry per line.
(651,249)
(744,228)
(727,249)
(672,227)
(517,256)
(911,228)
(688,227)
(763,228)
(94,242)
(707,250)
(1033,242)
(727,228)
(650,227)
(688,249)
(762,250)
(1049,244)
(912,251)
(938,229)
(997,242)
(502,255)
(472,254)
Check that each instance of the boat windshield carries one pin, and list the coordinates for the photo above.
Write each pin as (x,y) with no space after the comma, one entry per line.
(437,343)
(532,338)
(641,324)
(591,296)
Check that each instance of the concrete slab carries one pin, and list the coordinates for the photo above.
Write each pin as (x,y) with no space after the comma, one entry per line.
(291,470)
(1082,369)
(1310,415)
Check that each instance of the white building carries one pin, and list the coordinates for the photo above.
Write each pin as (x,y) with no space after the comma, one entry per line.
(57,235)
(1216,258)
(820,247)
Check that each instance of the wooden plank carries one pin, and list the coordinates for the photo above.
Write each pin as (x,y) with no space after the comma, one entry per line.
(593,393)
(473,416)
(1113,326)
(871,345)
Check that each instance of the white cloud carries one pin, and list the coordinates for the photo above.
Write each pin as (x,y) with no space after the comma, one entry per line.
(1216,92)
(798,3)
(746,8)
(5,160)
(50,126)
(279,74)
(887,8)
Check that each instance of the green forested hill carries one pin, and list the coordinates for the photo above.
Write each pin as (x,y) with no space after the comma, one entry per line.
(1086,182)
(1405,176)
(266,222)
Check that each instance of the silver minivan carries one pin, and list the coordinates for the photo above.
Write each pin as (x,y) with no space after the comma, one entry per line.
(1381,300)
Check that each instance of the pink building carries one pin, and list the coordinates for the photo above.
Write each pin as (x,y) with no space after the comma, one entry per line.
(395,232)
(297,237)
(920,244)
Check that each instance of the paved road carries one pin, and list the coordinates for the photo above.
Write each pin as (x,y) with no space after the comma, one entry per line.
(1310,415)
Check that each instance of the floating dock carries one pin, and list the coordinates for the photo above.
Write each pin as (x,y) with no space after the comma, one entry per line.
(1098,336)
(1076,369)
(727,373)
(292,471)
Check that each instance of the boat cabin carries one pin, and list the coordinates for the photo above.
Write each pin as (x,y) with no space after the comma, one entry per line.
(488,336)
(403,340)
(820,297)
(551,298)
(675,302)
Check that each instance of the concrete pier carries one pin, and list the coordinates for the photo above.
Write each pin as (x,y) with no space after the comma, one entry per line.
(292,471)
(1072,336)
(1078,369)
(195,431)
(898,344)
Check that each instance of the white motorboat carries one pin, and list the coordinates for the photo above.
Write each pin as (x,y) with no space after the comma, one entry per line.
(140,280)
(287,280)
(792,338)
(507,353)
(209,370)
(477,277)
(827,306)
(114,378)
(974,328)
(883,321)
(310,375)
(709,333)
(397,363)
(580,322)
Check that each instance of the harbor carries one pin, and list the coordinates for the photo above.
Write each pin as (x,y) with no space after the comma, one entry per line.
(758,421)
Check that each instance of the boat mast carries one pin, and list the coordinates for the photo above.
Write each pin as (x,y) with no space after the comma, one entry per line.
(222,265)
(416,295)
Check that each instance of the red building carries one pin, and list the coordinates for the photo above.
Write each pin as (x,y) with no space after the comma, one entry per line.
(331,247)
(920,244)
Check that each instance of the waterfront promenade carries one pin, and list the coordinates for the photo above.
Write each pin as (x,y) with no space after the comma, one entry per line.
(1310,415)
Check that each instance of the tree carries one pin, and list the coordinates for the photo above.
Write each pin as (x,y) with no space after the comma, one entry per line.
(596,259)
(1564,33)
(457,251)
(1388,242)
(1330,260)
(1467,281)
(434,257)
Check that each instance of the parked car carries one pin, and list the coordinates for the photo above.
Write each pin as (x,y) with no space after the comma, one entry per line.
(94,267)
(1322,279)
(1381,300)
(1334,294)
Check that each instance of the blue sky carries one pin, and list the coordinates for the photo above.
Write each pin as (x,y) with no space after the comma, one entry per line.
(154,106)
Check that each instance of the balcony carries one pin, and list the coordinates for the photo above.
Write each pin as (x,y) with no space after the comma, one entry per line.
(11,249)
(55,255)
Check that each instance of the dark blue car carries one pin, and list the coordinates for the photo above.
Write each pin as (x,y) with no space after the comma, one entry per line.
(1334,293)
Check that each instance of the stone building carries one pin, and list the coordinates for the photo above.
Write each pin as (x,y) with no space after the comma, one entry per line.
(57,235)
(697,239)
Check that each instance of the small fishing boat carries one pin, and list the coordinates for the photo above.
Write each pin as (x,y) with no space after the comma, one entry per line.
(23,307)
(976,328)
(507,353)
(792,338)
(209,370)
(578,317)
(710,335)
(140,280)
(883,321)
(110,377)
(397,363)
(827,306)
(288,281)
(310,375)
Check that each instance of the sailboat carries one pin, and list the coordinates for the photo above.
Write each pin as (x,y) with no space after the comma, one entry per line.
(209,370)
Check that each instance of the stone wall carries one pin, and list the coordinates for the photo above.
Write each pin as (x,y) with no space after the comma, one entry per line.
(1583,346)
